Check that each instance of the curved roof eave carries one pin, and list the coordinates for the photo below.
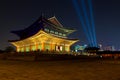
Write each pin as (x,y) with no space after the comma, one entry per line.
(42,32)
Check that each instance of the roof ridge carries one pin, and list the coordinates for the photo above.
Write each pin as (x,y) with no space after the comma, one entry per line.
(58,23)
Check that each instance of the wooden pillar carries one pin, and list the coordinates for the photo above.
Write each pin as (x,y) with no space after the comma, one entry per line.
(51,46)
(24,48)
(36,47)
(18,49)
(43,46)
(68,48)
(30,47)
(63,47)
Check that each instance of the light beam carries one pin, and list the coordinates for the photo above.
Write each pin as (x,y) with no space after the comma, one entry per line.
(81,19)
(92,21)
(87,25)
(87,22)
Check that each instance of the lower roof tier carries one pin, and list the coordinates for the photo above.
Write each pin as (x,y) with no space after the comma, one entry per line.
(43,37)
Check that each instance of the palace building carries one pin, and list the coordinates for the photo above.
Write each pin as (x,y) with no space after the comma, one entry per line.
(44,34)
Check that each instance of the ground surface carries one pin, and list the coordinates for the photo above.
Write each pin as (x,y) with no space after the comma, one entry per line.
(60,70)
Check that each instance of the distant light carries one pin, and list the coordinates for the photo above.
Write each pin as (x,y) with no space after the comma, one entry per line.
(101,56)
(76,50)
(85,45)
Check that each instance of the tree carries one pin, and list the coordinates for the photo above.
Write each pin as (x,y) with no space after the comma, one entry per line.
(1,51)
(91,49)
(9,49)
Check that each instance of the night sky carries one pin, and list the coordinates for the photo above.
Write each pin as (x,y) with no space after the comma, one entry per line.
(19,14)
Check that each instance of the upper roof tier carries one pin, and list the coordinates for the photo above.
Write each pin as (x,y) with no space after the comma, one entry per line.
(41,24)
(55,21)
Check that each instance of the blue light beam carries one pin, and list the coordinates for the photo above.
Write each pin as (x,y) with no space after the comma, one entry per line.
(81,19)
(87,23)
(92,21)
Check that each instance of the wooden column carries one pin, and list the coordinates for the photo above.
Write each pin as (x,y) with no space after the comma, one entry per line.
(30,47)
(36,47)
(24,48)
(43,46)
(18,49)
(68,48)
(51,46)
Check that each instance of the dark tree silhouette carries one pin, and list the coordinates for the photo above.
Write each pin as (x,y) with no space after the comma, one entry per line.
(1,51)
(9,49)
(91,49)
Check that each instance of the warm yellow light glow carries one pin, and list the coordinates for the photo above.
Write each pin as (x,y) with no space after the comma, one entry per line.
(43,41)
(27,48)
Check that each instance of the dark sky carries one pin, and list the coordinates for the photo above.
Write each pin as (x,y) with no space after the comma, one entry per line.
(19,14)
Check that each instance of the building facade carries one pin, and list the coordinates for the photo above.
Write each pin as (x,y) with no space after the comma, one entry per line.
(44,35)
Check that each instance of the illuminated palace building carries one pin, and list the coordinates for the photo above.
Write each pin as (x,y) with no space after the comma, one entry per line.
(44,35)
